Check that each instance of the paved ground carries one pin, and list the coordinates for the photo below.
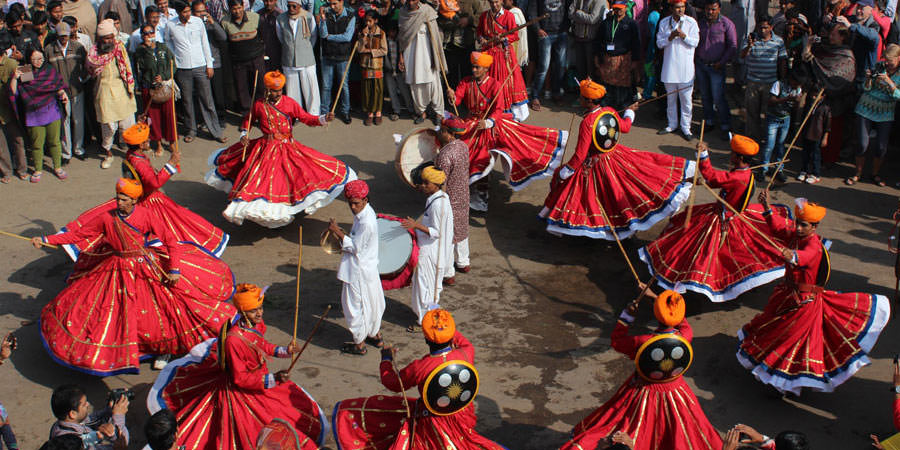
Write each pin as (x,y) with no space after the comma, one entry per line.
(539,309)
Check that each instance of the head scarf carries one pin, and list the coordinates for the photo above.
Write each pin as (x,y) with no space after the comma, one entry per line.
(129,187)
(669,308)
(438,326)
(433,175)
(248,296)
(356,189)
(808,211)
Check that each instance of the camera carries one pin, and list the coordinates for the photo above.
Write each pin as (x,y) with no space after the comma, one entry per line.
(879,69)
(116,394)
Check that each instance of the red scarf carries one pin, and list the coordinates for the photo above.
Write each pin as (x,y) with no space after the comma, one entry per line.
(96,62)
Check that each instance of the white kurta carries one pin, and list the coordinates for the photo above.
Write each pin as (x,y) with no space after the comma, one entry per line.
(421,75)
(435,253)
(678,54)
(362,297)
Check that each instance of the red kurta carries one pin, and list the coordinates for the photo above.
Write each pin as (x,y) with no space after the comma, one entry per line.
(808,336)
(528,152)
(489,26)
(380,422)
(718,254)
(636,189)
(184,224)
(658,416)
(116,310)
(277,177)
(226,409)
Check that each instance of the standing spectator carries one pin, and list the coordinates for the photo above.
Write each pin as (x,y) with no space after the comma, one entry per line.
(875,111)
(678,37)
(247,51)
(151,13)
(37,5)
(718,45)
(267,32)
(422,59)
(120,7)
(398,90)
(12,143)
(864,38)
(108,63)
(521,45)
(155,62)
(166,14)
(371,47)
(161,430)
(218,41)
(815,138)
(40,21)
(37,100)
(83,38)
(585,16)
(552,35)
(84,12)
(296,30)
(336,28)
(617,55)
(102,430)
(764,55)
(783,99)
(121,36)
(779,20)
(22,38)
(67,56)
(217,9)
(458,29)
(186,38)
(55,10)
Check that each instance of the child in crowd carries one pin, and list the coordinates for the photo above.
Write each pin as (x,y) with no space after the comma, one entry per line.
(372,47)
(815,137)
(782,101)
(398,90)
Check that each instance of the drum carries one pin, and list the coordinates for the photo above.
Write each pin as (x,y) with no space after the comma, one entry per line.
(398,252)
(418,147)
(279,435)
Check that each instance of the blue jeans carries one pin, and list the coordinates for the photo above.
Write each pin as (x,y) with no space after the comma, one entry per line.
(712,92)
(778,130)
(812,156)
(330,69)
(552,45)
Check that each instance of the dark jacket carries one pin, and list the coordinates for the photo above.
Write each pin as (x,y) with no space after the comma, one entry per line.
(70,66)
(558,22)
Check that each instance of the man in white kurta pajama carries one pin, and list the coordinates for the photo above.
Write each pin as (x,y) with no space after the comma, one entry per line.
(435,238)
(362,297)
(423,56)
(678,37)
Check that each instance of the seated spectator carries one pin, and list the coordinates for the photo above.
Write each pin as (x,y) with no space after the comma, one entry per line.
(161,429)
(102,430)
(786,440)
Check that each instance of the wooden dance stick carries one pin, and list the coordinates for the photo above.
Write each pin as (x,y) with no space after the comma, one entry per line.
(176,150)
(741,216)
(612,229)
(309,339)
(655,98)
(297,296)
(796,135)
(441,64)
(499,94)
(18,236)
(400,380)
(767,164)
(343,78)
(644,290)
(687,219)
(250,116)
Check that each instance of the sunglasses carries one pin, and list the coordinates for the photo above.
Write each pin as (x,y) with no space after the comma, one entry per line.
(148,33)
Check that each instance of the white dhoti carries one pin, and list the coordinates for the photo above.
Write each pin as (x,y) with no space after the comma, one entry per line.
(363,308)
(435,254)
(302,85)
(425,94)
(423,75)
(362,297)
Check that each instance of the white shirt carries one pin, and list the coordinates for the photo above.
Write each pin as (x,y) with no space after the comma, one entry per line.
(189,43)
(438,218)
(418,58)
(359,249)
(678,54)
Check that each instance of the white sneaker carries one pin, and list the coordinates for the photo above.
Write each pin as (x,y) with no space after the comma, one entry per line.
(79,152)
(107,162)
(802,176)
(812,179)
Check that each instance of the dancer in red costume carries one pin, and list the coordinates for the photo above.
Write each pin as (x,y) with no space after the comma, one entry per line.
(185,225)
(223,394)
(717,254)
(809,337)
(126,300)
(273,177)
(492,24)
(658,415)
(635,189)
(527,152)
(397,423)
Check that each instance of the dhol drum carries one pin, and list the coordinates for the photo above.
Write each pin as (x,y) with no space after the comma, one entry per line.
(416,149)
(398,252)
(279,435)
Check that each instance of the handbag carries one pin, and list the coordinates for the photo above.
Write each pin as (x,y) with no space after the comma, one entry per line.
(161,92)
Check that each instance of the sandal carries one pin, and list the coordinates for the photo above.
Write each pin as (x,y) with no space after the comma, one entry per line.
(377,342)
(351,349)
(35,177)
(60,173)
(414,328)
(852,180)
(22,175)
(878,181)
(188,139)
(4,180)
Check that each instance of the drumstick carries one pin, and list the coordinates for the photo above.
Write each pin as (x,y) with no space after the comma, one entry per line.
(17,236)
(309,339)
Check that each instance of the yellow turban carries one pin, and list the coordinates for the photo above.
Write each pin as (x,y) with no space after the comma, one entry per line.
(481,59)
(274,80)
(669,308)
(129,187)
(808,211)
(136,134)
(433,175)
(743,145)
(438,326)
(247,297)
(591,90)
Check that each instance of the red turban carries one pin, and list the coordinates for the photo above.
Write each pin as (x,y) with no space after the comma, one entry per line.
(454,124)
(356,189)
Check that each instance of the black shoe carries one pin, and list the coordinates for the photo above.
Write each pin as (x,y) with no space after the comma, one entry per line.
(687,136)
(663,131)
(760,174)
(418,120)
(781,177)
(346,118)
(435,120)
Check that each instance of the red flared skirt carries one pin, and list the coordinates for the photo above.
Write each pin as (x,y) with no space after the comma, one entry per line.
(817,343)
(115,310)
(184,224)
(214,414)
(658,416)
(277,180)
(527,152)
(514,90)
(718,255)
(380,423)
(636,189)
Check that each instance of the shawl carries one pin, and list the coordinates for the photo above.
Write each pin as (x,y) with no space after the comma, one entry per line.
(96,62)
(834,69)
(410,21)
(42,90)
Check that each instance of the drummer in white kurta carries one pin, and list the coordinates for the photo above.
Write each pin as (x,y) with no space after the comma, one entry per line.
(434,236)
(362,297)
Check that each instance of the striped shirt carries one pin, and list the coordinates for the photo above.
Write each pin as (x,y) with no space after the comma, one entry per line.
(762,60)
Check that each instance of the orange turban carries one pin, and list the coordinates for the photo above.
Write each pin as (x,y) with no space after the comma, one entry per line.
(591,90)
(274,80)
(129,187)
(438,326)
(808,211)
(136,134)
(248,296)
(481,59)
(743,145)
(669,308)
